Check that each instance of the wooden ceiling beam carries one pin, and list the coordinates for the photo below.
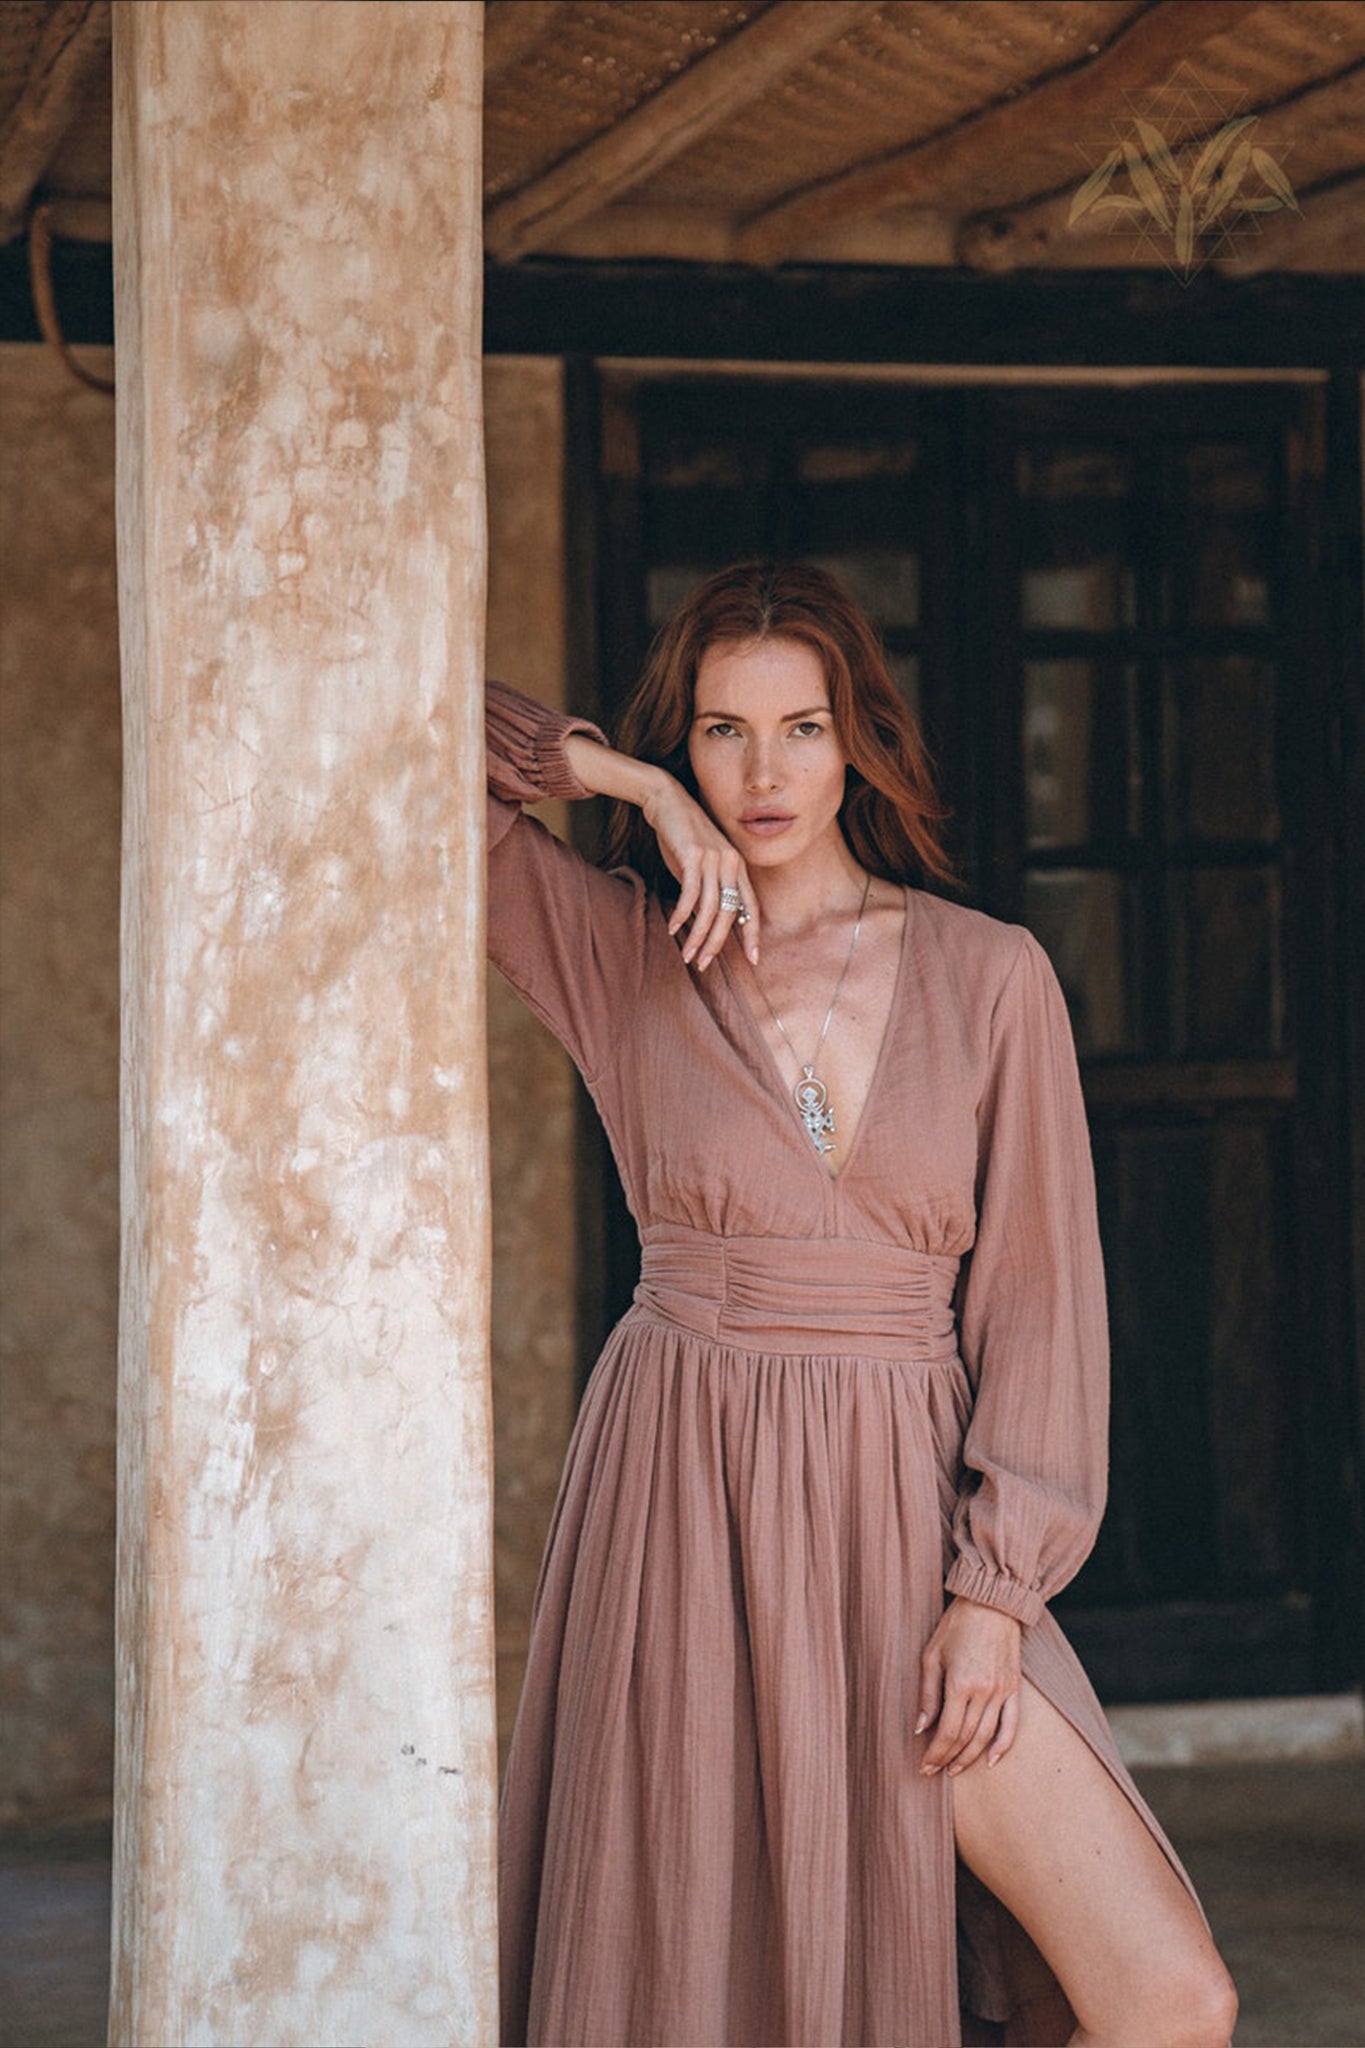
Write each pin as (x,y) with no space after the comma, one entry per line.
(511,28)
(671,120)
(684,234)
(929,171)
(1039,230)
(75,38)
(1328,228)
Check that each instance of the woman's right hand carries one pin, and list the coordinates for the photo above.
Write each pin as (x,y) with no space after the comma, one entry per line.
(703,862)
(696,852)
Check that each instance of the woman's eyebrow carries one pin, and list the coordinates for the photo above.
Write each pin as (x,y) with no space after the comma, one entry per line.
(733,717)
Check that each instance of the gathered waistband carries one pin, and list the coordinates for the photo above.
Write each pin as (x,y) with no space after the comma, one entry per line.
(787,1294)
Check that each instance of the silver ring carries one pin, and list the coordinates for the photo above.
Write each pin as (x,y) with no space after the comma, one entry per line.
(741,917)
(730,899)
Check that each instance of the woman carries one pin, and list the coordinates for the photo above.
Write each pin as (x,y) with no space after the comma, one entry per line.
(765,1786)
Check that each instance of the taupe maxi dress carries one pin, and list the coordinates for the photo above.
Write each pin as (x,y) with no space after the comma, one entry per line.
(831,1399)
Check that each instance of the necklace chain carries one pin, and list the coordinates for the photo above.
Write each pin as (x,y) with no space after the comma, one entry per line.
(812,1097)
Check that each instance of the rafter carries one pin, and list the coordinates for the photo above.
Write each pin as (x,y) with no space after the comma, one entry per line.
(511,28)
(671,120)
(928,170)
(687,234)
(75,38)
(1328,231)
(1039,229)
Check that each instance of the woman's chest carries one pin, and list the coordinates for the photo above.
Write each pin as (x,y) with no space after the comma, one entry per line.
(824,1037)
(708,1129)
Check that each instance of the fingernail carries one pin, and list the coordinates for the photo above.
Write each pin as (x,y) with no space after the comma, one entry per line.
(921,1724)
(954,1770)
(991,1762)
(927,1770)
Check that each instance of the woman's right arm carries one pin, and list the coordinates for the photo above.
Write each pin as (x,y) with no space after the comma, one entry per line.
(697,853)
(570,938)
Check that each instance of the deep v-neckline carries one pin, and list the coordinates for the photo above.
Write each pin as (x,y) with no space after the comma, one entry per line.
(752,1026)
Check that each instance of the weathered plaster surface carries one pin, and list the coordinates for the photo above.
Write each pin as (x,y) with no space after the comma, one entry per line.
(531,1080)
(306,1765)
(59,854)
(59,832)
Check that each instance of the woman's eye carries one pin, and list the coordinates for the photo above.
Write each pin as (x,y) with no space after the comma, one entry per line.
(809,726)
(722,729)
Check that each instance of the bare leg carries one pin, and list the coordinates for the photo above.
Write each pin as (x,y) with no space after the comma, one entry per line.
(1050,1833)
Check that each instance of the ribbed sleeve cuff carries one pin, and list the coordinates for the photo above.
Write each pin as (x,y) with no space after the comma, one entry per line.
(525,739)
(996,1589)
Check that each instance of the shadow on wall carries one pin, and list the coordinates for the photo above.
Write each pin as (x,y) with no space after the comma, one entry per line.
(60,759)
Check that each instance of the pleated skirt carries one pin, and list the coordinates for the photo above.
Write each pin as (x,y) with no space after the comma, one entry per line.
(713,1831)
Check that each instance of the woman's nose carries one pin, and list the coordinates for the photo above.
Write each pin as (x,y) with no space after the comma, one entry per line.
(762,769)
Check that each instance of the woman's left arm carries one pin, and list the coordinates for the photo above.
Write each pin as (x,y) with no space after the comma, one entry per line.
(1034,1338)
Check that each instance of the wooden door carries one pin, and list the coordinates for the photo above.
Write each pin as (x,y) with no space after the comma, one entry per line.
(1103,603)
(1156,736)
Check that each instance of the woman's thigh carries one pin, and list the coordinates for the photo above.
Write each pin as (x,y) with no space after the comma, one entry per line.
(1051,1834)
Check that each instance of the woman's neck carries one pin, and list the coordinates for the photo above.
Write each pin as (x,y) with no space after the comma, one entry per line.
(800,895)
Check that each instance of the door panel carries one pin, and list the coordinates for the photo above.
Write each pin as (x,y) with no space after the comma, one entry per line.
(1144,576)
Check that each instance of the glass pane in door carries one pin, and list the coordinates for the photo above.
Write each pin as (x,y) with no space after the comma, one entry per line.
(1228,535)
(855,461)
(1227,983)
(1077,569)
(905,675)
(885,582)
(1082,756)
(1220,749)
(668,584)
(1085,919)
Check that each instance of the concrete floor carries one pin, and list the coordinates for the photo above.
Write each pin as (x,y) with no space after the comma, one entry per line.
(1277,1854)
(1276,1850)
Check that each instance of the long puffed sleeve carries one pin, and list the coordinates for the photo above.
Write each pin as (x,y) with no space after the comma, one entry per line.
(1031,1305)
(526,759)
(569,938)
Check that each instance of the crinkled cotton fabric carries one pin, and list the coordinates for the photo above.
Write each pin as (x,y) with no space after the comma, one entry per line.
(834,1401)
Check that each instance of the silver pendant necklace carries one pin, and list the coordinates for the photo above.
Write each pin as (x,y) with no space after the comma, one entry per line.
(812,1096)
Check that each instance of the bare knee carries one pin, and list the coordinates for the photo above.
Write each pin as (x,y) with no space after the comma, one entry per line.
(1206,1999)
(1190,2004)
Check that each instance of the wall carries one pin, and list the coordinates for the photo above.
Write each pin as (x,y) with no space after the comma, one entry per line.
(59,909)
(532,1081)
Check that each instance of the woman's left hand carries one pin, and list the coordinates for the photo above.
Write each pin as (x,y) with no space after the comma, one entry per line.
(969,1684)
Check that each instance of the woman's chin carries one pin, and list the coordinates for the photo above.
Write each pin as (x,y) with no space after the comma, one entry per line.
(761,852)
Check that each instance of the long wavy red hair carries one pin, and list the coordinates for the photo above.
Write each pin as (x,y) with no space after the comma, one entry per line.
(892,814)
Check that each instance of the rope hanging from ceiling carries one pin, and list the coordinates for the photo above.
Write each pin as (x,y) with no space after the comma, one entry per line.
(45,299)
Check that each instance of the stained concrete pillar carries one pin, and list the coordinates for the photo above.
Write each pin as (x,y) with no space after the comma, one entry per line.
(306,1762)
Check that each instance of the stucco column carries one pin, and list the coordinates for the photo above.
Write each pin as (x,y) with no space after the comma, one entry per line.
(306,1759)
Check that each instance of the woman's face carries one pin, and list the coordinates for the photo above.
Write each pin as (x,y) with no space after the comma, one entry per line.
(768,761)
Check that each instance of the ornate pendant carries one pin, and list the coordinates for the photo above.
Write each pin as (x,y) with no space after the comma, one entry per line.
(812,1100)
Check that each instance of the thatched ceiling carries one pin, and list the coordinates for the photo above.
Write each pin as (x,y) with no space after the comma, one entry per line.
(911,132)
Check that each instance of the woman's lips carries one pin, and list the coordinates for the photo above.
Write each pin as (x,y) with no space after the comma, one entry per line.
(767,827)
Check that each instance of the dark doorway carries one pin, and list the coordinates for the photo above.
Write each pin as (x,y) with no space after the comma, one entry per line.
(1106,604)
